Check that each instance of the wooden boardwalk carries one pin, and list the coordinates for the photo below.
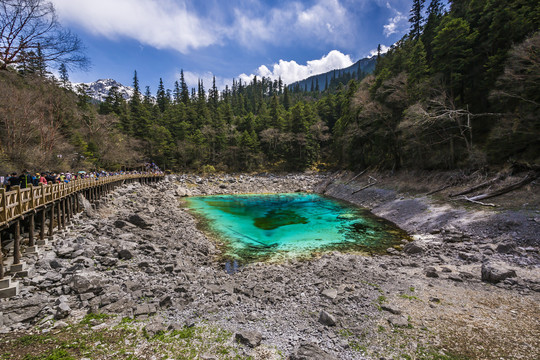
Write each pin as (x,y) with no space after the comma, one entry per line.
(53,204)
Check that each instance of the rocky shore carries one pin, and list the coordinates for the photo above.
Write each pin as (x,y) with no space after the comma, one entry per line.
(468,284)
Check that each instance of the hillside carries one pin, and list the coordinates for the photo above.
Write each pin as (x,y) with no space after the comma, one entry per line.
(329,79)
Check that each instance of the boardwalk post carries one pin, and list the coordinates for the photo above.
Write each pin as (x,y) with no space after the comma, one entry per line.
(63,207)
(3,206)
(31,241)
(42,228)
(1,259)
(43,199)
(19,200)
(51,222)
(17,243)
(58,216)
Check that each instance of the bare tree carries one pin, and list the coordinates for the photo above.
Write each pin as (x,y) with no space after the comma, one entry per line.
(30,32)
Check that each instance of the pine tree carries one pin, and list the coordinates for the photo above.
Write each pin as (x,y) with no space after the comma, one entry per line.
(177,93)
(435,14)
(416,19)
(161,97)
(184,88)
(286,99)
(64,78)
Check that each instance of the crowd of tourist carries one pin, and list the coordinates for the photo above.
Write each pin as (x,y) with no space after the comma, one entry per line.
(26,178)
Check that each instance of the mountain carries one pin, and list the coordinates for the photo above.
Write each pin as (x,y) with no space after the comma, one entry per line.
(363,66)
(99,89)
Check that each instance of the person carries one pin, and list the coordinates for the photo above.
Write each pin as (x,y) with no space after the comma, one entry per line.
(51,179)
(42,179)
(25,179)
(13,181)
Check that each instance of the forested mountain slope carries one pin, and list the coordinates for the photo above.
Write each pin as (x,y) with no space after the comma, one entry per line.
(462,89)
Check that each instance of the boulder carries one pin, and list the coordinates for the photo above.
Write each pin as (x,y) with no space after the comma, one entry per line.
(493,272)
(86,282)
(140,221)
(86,206)
(330,293)
(62,311)
(431,272)
(125,254)
(309,351)
(506,247)
(398,321)
(155,328)
(249,338)
(326,319)
(413,248)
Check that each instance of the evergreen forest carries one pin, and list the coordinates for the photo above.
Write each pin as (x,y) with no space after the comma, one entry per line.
(460,90)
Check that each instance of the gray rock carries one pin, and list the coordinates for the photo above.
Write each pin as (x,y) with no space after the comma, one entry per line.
(140,221)
(155,328)
(86,206)
(330,293)
(62,311)
(391,309)
(165,301)
(55,264)
(506,247)
(145,309)
(86,282)
(326,319)
(431,272)
(107,261)
(309,351)
(398,321)
(125,254)
(413,248)
(495,272)
(249,338)
(65,252)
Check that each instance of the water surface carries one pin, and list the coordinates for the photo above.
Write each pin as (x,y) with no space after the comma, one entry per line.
(270,226)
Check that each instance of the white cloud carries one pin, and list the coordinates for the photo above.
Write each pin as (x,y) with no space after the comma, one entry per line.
(192,79)
(384,50)
(396,24)
(291,71)
(171,24)
(327,21)
(164,25)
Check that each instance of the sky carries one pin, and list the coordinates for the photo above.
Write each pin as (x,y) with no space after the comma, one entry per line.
(227,38)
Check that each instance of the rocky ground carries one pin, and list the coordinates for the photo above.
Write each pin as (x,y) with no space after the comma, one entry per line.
(467,286)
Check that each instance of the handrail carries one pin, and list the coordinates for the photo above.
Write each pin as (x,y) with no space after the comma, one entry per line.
(16,203)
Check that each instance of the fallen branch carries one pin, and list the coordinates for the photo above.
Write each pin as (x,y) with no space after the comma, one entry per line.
(501,176)
(439,189)
(527,179)
(356,176)
(478,202)
(368,185)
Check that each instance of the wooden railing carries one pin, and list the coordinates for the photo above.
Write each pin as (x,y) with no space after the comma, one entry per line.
(16,203)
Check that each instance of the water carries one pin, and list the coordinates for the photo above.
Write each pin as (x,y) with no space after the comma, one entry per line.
(273,226)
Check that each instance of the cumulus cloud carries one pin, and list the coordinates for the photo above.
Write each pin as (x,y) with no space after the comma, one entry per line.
(384,50)
(291,71)
(396,24)
(164,25)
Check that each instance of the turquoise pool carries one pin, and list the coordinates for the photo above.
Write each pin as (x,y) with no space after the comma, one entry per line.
(272,226)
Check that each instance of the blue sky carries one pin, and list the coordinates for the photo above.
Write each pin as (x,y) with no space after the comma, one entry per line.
(227,38)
